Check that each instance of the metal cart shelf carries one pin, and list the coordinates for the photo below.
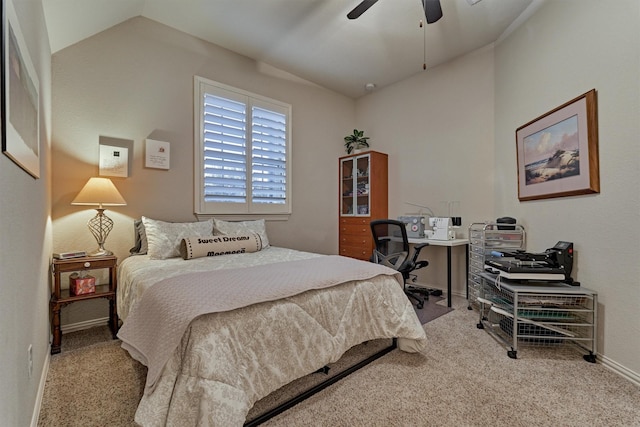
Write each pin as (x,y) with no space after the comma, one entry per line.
(485,237)
(551,314)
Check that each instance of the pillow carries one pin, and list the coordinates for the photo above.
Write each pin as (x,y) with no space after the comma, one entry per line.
(141,245)
(196,247)
(240,227)
(163,238)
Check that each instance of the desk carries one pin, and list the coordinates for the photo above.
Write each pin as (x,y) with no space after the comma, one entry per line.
(448,244)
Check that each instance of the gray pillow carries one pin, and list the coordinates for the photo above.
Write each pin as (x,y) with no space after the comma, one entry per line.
(141,244)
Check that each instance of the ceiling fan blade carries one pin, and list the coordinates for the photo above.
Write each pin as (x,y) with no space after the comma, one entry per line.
(361,8)
(432,10)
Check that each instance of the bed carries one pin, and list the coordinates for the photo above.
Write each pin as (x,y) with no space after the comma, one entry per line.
(218,333)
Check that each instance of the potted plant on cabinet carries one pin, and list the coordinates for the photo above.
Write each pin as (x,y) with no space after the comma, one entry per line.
(356,141)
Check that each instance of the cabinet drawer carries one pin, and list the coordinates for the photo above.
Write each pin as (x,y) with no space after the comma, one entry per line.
(475,234)
(356,252)
(356,240)
(477,249)
(357,229)
(476,264)
(476,257)
(355,221)
(474,276)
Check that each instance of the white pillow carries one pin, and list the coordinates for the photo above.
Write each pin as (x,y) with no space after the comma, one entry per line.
(241,227)
(164,237)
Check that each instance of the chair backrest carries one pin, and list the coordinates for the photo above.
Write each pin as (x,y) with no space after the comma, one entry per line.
(391,243)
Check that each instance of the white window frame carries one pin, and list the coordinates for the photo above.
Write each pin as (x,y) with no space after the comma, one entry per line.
(247,209)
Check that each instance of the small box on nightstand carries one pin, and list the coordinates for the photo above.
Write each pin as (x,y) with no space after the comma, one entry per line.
(81,285)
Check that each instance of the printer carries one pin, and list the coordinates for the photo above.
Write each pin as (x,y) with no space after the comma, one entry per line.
(554,264)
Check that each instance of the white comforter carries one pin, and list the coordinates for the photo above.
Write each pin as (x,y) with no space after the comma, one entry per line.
(227,361)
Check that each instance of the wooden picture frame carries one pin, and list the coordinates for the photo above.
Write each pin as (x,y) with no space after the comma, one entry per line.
(19,96)
(557,153)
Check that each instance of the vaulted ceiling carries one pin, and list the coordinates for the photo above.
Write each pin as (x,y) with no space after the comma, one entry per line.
(312,39)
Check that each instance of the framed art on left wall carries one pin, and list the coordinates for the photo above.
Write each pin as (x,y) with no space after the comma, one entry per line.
(20,96)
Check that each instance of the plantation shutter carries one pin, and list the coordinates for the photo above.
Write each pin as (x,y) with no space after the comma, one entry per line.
(243,152)
(225,150)
(268,156)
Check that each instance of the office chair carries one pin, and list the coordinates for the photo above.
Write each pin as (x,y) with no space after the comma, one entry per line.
(392,250)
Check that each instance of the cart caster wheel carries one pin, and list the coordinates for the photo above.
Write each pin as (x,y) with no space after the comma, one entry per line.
(479,326)
(469,307)
(591,358)
(420,305)
(512,354)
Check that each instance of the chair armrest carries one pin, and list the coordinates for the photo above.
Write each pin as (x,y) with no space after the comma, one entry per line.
(416,250)
(419,246)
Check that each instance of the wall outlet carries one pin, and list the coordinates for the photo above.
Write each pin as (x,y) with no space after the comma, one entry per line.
(30,360)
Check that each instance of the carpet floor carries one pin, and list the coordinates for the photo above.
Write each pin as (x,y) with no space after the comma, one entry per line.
(464,379)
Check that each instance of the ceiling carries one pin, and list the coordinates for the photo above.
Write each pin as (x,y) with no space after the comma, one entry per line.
(312,39)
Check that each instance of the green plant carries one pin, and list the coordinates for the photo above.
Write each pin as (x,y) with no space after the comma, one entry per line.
(355,141)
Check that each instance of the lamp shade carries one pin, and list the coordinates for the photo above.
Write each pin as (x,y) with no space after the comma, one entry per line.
(100,192)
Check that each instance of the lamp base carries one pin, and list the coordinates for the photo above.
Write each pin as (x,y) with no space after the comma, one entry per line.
(100,252)
(100,226)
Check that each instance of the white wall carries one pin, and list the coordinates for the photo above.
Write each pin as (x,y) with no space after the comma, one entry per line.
(437,128)
(25,245)
(567,48)
(135,81)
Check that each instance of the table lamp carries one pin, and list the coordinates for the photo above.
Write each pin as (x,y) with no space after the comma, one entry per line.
(99,192)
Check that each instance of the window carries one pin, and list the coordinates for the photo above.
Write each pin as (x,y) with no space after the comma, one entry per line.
(243,152)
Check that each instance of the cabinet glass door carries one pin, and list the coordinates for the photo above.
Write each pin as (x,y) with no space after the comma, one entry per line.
(355,186)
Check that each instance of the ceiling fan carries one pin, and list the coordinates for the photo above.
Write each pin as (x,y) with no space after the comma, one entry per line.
(432,9)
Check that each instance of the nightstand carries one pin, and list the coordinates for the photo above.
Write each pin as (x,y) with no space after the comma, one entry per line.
(61,298)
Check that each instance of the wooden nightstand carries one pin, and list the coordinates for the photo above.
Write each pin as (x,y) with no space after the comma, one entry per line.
(61,298)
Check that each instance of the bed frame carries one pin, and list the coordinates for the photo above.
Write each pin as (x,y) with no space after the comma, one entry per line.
(319,387)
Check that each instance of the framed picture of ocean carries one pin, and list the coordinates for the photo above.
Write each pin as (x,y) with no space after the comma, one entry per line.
(557,153)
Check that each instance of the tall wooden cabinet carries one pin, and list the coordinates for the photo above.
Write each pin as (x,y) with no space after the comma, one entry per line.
(363,197)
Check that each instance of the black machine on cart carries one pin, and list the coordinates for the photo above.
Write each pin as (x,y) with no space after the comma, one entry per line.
(554,264)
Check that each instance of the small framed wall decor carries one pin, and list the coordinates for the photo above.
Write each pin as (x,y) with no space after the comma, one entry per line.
(114,156)
(557,153)
(157,154)
(20,96)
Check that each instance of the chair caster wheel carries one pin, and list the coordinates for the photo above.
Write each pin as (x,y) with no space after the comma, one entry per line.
(420,305)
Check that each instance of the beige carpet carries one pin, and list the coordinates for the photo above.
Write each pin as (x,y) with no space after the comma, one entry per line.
(466,379)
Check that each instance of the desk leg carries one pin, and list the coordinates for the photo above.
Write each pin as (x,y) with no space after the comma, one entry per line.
(448,276)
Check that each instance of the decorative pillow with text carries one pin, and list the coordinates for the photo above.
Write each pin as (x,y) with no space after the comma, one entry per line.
(227,244)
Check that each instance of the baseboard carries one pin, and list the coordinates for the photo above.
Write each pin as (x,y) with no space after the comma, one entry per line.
(41,385)
(78,326)
(624,372)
